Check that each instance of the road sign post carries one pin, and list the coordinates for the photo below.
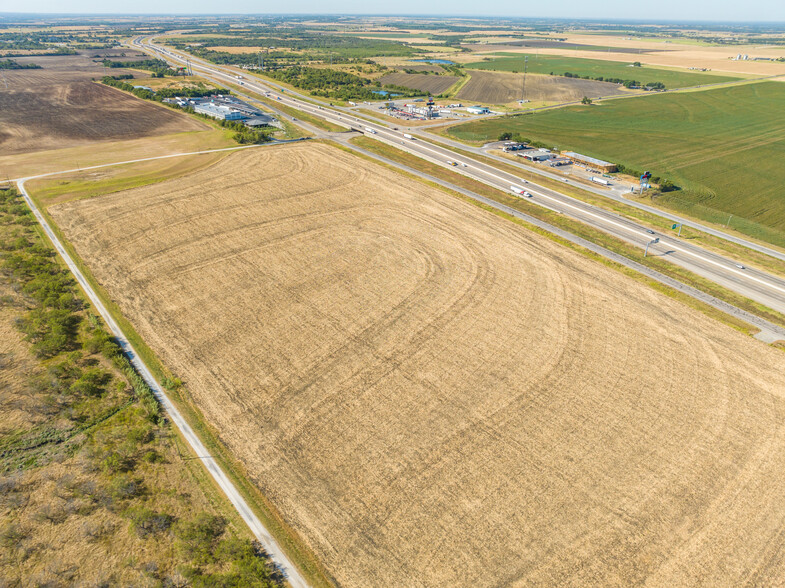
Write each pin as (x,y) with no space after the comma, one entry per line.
(652,242)
(675,225)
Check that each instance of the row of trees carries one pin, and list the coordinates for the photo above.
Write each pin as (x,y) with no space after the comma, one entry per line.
(626,83)
(11,64)
(243,135)
(103,422)
(159,67)
(340,85)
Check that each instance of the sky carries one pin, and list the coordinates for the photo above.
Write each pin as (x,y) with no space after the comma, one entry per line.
(657,10)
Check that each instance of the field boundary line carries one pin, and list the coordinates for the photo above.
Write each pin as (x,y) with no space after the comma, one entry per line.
(261,533)
(768,332)
(472,151)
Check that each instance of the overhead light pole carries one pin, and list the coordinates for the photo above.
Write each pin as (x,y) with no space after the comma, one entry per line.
(652,242)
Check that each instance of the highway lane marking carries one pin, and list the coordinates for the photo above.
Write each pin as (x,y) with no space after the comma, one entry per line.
(423,145)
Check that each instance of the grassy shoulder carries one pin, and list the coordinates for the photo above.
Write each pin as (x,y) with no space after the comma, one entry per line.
(40,162)
(90,183)
(301,115)
(651,220)
(579,229)
(287,537)
(94,488)
(722,146)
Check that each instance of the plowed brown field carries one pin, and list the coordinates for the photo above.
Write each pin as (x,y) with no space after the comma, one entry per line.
(433,396)
(423,82)
(44,109)
(500,88)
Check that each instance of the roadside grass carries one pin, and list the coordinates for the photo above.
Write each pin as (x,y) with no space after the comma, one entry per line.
(40,162)
(86,184)
(287,537)
(723,147)
(303,116)
(595,68)
(654,221)
(581,230)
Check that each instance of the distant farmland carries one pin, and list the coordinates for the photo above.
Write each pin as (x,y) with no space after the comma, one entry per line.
(501,88)
(725,146)
(45,109)
(594,68)
(434,396)
(425,83)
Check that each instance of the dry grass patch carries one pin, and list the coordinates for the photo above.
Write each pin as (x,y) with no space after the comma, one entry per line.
(431,395)
(423,82)
(502,88)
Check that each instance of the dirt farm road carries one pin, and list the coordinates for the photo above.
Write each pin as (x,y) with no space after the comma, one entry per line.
(257,528)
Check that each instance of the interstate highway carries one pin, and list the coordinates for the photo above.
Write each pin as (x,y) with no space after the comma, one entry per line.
(751,283)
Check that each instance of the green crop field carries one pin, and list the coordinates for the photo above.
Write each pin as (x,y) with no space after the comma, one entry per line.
(725,147)
(596,68)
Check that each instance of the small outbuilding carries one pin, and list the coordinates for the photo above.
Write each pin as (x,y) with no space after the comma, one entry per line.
(591,162)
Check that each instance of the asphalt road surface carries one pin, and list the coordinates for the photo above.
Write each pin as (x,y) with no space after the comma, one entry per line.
(749,282)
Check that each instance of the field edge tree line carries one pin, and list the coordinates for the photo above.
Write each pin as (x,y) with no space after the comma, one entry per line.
(98,408)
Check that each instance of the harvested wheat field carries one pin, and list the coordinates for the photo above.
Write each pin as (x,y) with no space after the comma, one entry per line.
(44,109)
(434,396)
(500,88)
(423,82)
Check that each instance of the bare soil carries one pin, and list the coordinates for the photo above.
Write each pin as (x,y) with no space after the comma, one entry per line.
(500,88)
(423,82)
(58,107)
(433,396)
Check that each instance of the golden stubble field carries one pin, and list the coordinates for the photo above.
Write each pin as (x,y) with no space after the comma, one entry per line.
(433,396)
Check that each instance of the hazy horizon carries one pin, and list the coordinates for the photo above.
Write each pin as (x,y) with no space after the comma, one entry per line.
(668,11)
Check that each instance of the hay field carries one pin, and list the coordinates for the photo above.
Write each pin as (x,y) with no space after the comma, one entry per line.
(501,88)
(433,396)
(423,82)
(44,109)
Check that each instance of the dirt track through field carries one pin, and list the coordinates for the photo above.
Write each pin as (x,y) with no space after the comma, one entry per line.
(433,396)
(500,88)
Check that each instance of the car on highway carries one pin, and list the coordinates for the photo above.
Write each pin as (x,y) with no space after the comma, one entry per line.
(738,265)
(650,231)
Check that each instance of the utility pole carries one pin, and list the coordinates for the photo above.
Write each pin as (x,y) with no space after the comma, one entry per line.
(523,89)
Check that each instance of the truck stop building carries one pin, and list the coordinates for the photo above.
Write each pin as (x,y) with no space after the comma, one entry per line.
(591,162)
(219,112)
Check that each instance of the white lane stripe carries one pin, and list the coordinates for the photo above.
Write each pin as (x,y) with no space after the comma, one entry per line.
(639,233)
